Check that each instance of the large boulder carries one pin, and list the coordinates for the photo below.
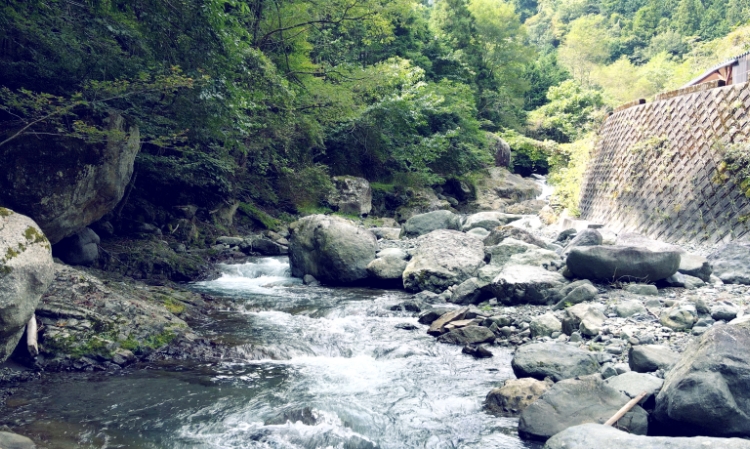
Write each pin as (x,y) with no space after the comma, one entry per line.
(587,237)
(65,184)
(514,396)
(425,223)
(622,263)
(633,239)
(81,248)
(555,360)
(731,263)
(597,436)
(706,392)
(526,284)
(443,258)
(497,187)
(26,270)
(500,149)
(574,402)
(352,196)
(331,249)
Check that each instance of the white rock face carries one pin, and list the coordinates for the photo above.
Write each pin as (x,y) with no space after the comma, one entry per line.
(26,270)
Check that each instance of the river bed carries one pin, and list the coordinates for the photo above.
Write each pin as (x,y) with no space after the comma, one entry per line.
(313,367)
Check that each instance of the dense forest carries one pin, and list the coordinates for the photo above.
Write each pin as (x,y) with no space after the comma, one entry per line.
(261,101)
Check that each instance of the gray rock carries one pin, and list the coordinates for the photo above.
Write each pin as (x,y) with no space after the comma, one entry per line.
(538,257)
(65,184)
(425,223)
(632,384)
(437,327)
(430,315)
(642,289)
(9,440)
(514,396)
(352,196)
(587,237)
(649,358)
(726,312)
(479,233)
(582,291)
(680,317)
(387,271)
(394,253)
(268,247)
(386,233)
(586,319)
(81,248)
(500,149)
(632,239)
(566,236)
(468,335)
(573,402)
(627,308)
(443,258)
(499,234)
(332,249)
(544,325)
(555,360)
(597,436)
(684,281)
(496,187)
(310,280)
(468,292)
(731,263)
(706,392)
(622,263)
(231,241)
(696,266)
(488,220)
(524,284)
(26,270)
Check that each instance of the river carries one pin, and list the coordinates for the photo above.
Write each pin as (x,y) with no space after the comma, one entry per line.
(313,367)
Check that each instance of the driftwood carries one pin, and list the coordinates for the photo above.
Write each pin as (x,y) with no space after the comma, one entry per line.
(625,408)
(31,334)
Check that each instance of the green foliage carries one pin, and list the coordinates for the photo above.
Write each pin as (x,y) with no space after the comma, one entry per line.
(572,111)
(736,160)
(568,172)
(529,155)
(258,216)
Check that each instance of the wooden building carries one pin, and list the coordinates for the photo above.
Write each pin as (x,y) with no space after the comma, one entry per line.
(733,71)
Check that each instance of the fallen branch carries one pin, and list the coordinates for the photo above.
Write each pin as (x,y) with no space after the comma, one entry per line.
(31,334)
(625,408)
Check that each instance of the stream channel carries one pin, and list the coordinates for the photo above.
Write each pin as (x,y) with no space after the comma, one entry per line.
(314,367)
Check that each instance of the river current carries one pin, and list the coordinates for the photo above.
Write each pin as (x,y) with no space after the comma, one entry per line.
(312,367)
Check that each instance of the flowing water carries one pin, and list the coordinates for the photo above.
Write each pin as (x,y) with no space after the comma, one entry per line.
(312,367)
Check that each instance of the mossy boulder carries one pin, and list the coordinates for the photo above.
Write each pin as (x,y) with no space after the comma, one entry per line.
(26,270)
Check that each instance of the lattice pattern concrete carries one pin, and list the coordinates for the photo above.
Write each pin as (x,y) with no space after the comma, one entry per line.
(654,170)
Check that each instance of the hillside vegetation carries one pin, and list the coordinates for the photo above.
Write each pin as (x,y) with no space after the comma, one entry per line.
(261,101)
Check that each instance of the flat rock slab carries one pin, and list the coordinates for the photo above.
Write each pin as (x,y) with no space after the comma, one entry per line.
(469,335)
(555,360)
(573,402)
(649,358)
(597,436)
